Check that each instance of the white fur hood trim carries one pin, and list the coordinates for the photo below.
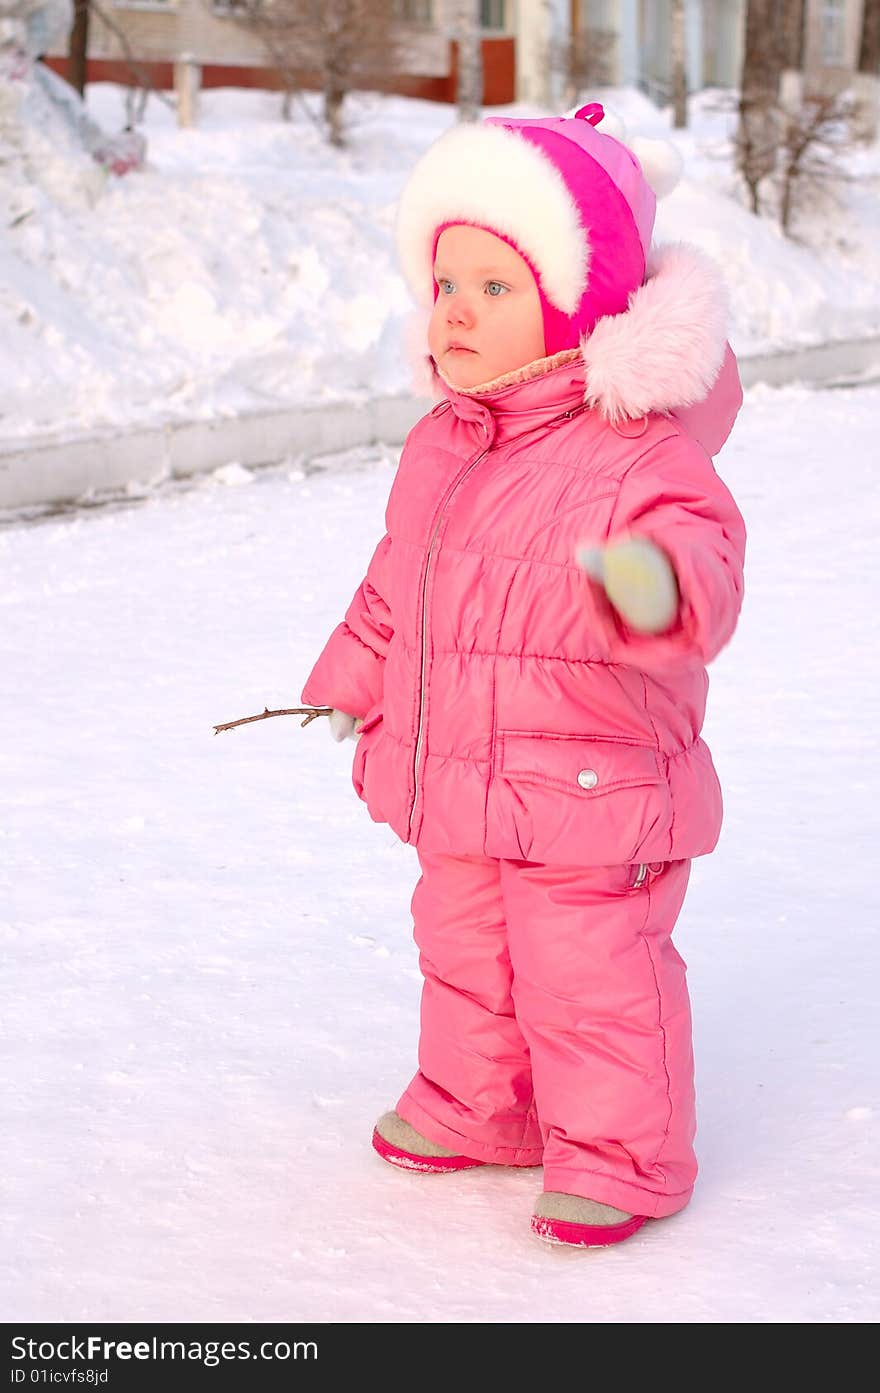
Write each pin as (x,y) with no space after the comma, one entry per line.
(666,349)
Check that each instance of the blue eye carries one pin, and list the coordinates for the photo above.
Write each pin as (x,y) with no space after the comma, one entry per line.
(446,287)
(495,288)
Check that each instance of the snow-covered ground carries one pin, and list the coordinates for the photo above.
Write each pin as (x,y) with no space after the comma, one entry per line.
(250,265)
(210,987)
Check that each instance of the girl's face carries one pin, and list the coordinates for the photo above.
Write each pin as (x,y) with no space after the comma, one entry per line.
(487,317)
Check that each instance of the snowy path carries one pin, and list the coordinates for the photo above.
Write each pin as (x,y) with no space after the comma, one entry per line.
(210,985)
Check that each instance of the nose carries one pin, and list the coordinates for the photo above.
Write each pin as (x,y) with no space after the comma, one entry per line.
(459,310)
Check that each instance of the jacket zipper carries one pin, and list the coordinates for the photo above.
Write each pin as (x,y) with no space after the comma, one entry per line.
(557,420)
(644,870)
(460,480)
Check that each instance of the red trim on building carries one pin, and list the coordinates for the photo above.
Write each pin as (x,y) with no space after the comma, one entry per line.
(499,75)
(499,70)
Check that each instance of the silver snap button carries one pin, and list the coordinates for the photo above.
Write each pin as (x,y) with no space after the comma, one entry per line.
(588,778)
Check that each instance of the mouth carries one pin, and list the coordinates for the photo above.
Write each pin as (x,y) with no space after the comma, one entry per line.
(459,348)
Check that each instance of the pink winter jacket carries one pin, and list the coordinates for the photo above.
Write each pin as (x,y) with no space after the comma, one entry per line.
(509,711)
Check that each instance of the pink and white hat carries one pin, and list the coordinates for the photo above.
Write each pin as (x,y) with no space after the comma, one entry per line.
(575,202)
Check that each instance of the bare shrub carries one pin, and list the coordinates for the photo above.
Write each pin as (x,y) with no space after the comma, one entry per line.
(343,43)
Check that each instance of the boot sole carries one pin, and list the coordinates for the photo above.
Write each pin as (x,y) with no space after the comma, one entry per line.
(585,1235)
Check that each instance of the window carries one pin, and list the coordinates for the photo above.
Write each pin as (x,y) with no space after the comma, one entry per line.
(413,11)
(491,14)
(833,32)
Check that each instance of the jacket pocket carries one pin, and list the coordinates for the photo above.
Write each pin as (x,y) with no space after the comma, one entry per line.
(579,800)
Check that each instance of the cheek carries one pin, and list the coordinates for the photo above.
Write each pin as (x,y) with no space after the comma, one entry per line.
(533,329)
(435,327)
(527,327)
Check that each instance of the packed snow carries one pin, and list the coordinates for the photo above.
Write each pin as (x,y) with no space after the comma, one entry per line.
(248,264)
(210,984)
(211,988)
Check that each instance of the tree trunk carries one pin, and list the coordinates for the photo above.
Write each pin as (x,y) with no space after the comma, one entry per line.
(792,37)
(334,96)
(758,133)
(866,117)
(470,61)
(679,70)
(869,48)
(78,46)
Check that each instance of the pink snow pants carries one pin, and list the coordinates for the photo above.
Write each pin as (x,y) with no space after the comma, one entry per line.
(556,1026)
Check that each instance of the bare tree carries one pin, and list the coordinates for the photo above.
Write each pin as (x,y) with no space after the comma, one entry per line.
(340,42)
(142,85)
(678,64)
(812,139)
(789,140)
(867,83)
(758,133)
(276,25)
(470,60)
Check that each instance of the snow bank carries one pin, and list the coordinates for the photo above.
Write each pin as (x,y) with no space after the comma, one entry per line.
(249,265)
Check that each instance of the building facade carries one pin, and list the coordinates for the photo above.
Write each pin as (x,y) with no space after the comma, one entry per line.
(527,46)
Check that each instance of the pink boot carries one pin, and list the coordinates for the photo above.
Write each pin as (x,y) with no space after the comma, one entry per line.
(401,1145)
(582,1223)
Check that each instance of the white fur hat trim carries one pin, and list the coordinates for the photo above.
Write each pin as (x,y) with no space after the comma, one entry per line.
(494,178)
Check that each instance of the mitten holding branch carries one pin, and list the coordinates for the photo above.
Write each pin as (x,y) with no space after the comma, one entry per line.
(638,579)
(343,726)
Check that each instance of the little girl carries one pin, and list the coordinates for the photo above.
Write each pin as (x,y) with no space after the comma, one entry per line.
(524,667)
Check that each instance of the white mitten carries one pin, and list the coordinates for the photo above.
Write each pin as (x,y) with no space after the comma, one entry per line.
(638,579)
(343,726)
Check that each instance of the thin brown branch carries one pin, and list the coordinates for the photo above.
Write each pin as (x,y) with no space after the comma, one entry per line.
(137,70)
(310,713)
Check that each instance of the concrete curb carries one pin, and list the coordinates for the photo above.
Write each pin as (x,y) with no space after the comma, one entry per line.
(50,468)
(45,469)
